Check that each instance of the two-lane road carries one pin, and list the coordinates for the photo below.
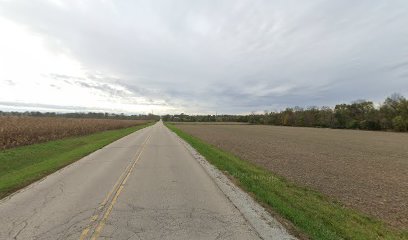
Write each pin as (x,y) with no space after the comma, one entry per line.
(144,186)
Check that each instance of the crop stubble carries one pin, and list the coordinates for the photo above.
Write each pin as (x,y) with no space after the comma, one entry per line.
(18,131)
(361,169)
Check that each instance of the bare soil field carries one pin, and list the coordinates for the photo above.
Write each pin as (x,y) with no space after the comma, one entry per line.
(19,131)
(210,123)
(364,170)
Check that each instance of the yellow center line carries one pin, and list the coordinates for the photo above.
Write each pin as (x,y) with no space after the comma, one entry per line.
(94,218)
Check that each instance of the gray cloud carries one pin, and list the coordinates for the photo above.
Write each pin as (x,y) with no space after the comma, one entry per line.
(230,56)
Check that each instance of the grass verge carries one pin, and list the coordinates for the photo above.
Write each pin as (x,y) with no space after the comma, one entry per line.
(312,213)
(23,165)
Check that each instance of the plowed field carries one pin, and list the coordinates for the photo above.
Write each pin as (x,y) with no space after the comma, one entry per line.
(364,170)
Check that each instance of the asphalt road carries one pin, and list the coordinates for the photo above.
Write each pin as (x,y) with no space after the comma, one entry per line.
(144,186)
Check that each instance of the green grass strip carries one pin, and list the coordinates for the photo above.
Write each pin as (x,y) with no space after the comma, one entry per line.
(23,165)
(312,213)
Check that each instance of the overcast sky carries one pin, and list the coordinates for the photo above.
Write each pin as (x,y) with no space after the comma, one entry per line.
(199,56)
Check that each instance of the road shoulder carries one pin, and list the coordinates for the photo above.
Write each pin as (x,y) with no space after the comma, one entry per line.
(259,218)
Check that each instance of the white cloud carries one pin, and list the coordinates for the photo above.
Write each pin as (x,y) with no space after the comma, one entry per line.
(32,73)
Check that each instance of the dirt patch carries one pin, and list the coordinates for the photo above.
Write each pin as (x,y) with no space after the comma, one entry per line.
(361,169)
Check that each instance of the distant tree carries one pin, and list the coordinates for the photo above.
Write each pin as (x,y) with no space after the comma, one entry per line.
(252,118)
(325,117)
(399,124)
(341,115)
(360,114)
(288,117)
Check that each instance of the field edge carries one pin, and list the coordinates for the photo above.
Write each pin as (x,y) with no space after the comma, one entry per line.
(53,156)
(310,212)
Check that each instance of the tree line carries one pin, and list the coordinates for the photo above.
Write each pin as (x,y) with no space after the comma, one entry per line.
(392,114)
(94,115)
(204,118)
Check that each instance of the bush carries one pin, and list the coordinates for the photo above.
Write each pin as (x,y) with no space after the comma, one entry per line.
(370,125)
(399,124)
(353,124)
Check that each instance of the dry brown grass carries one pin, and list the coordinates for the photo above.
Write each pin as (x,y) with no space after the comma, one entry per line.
(19,131)
(362,169)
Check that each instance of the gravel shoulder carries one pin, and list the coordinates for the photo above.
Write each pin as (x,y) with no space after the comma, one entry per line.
(364,170)
(260,219)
